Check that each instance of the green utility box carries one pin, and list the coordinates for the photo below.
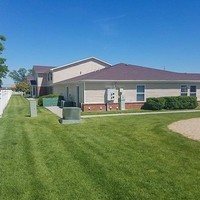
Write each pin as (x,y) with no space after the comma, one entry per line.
(50,102)
(71,115)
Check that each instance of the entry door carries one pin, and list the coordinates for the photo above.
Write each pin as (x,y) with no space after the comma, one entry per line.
(78,97)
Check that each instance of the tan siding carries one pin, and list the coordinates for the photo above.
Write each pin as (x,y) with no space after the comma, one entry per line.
(77,70)
(168,89)
(95,92)
(162,89)
(58,89)
(61,90)
(95,96)
(198,92)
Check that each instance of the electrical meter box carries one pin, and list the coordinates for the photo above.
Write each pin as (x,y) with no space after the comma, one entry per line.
(33,108)
(111,94)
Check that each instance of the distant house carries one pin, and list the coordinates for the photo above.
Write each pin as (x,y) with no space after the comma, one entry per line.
(38,81)
(97,85)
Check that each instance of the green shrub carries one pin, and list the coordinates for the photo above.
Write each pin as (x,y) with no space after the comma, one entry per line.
(180,102)
(171,103)
(40,99)
(154,103)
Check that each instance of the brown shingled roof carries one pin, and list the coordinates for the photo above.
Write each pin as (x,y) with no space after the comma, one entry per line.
(41,69)
(126,72)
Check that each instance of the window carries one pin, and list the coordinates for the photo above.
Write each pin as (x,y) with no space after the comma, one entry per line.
(51,76)
(184,90)
(140,92)
(193,90)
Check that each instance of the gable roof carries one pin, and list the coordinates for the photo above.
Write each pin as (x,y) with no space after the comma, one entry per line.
(41,69)
(29,77)
(126,72)
(82,61)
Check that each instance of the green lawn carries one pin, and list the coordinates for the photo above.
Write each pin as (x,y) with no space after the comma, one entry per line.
(125,157)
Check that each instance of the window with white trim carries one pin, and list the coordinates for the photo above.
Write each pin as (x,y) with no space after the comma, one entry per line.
(184,90)
(140,93)
(193,90)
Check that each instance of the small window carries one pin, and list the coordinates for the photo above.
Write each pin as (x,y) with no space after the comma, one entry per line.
(184,90)
(140,92)
(193,90)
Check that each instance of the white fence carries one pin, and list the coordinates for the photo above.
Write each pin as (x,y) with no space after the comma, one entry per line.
(4,99)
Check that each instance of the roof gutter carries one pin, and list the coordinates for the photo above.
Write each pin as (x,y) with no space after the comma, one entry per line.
(144,81)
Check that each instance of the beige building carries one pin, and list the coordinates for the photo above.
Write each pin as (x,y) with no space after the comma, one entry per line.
(125,86)
(93,84)
(45,77)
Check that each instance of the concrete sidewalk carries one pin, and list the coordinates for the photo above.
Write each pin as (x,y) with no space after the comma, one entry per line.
(58,111)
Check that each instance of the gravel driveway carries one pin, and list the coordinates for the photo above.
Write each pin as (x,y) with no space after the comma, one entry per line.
(189,128)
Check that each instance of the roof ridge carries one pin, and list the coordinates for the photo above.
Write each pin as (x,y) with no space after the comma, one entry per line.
(82,60)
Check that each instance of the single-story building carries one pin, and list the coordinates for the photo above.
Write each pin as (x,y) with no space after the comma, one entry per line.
(125,86)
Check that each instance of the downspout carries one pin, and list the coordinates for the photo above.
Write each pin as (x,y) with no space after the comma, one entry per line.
(83,94)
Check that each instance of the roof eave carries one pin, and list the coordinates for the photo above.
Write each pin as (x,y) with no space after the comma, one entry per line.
(76,62)
(160,81)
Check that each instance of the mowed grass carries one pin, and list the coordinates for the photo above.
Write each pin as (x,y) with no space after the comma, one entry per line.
(125,157)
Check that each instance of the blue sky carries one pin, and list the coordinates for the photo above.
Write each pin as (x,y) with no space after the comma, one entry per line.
(153,33)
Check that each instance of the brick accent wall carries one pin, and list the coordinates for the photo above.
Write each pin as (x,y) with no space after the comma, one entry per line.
(110,106)
(132,106)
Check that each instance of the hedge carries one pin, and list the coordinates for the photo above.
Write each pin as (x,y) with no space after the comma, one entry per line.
(40,99)
(171,103)
(154,104)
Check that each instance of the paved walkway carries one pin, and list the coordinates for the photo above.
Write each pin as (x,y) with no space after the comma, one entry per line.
(58,111)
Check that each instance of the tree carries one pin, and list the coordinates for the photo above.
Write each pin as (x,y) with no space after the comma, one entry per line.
(20,75)
(22,87)
(3,68)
